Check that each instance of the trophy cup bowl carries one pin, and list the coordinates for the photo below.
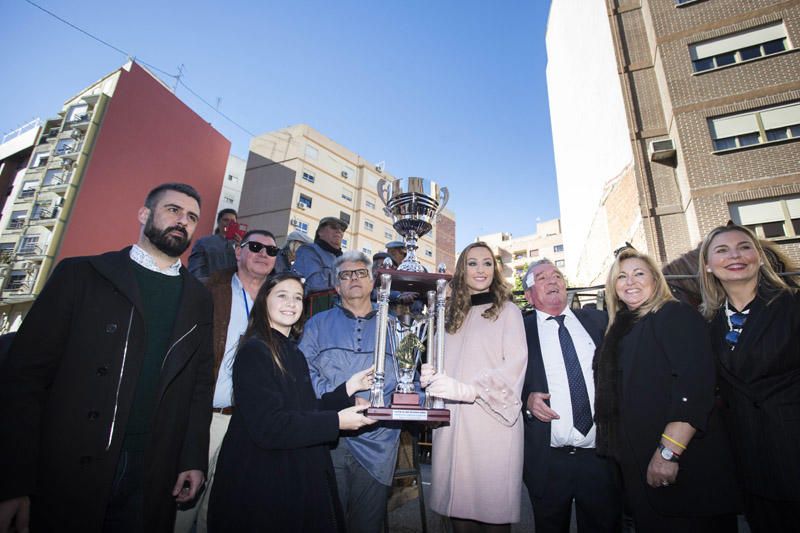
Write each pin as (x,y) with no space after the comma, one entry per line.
(413,214)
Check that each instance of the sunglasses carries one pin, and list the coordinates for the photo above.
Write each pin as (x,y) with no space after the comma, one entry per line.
(351,274)
(256,247)
(736,321)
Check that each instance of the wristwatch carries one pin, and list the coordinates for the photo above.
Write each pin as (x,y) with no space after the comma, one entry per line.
(667,454)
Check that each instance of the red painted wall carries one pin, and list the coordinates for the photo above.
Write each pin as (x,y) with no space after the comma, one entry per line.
(147,137)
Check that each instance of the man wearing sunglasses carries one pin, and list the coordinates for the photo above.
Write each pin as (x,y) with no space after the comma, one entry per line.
(233,291)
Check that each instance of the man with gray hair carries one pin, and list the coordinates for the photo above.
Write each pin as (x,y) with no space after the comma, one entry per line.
(337,343)
(561,465)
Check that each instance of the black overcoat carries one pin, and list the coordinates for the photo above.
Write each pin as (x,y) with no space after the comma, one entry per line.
(667,375)
(67,387)
(274,471)
(759,382)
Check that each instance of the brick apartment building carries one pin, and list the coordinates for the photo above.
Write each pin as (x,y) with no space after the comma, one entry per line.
(710,93)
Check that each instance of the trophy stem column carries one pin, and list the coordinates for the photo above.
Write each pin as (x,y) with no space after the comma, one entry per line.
(441,295)
(430,355)
(376,393)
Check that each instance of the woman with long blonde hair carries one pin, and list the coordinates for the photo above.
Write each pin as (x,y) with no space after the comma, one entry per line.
(754,320)
(477,459)
(654,392)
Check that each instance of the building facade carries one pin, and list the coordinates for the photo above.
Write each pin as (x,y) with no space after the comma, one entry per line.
(91,166)
(232,183)
(515,254)
(711,96)
(296,176)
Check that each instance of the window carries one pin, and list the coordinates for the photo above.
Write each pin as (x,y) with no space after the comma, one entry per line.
(304,202)
(519,255)
(29,245)
(348,172)
(227,199)
(347,195)
(368,225)
(367,251)
(344,217)
(560,263)
(300,225)
(558,248)
(40,159)
(65,146)
(428,252)
(28,189)
(17,280)
(388,234)
(739,47)
(533,253)
(54,176)
(311,152)
(231,177)
(344,244)
(78,113)
(756,127)
(309,177)
(6,252)
(370,203)
(775,218)
(42,210)
(17,219)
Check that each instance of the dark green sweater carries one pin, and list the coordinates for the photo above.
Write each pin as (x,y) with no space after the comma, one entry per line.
(160,295)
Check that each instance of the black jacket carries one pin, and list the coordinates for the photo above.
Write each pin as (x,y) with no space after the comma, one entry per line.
(537,433)
(274,471)
(759,382)
(667,375)
(67,387)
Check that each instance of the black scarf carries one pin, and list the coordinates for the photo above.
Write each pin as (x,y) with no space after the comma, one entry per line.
(608,386)
(480,298)
(327,247)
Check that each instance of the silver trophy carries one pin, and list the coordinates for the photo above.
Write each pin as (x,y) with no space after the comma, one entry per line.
(413,213)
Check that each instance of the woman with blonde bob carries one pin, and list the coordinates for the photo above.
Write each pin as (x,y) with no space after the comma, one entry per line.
(477,459)
(654,405)
(755,332)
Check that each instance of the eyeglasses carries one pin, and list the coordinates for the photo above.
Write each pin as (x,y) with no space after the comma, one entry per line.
(735,323)
(351,274)
(256,247)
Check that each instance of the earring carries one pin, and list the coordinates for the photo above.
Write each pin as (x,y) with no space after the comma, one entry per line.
(708,269)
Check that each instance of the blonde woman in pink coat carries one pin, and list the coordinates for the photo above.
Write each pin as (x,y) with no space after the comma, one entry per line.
(477,459)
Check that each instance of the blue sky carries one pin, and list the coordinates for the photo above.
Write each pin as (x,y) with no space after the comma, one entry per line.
(449,90)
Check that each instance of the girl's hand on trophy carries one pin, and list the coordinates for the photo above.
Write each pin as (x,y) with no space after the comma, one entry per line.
(361,402)
(361,381)
(443,386)
(351,419)
(426,374)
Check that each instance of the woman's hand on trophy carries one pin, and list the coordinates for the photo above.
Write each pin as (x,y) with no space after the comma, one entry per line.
(361,381)
(425,374)
(351,419)
(443,386)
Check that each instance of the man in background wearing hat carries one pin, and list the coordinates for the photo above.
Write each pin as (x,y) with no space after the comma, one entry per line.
(315,261)
(397,251)
(286,256)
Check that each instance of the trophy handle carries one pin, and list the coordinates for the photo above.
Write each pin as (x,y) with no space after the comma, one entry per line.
(385,194)
(444,196)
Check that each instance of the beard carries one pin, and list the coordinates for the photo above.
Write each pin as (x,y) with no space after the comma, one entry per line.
(161,239)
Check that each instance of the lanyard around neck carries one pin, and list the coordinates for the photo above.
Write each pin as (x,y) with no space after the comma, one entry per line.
(246,306)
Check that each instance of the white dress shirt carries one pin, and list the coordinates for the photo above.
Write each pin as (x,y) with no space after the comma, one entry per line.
(562,432)
(241,305)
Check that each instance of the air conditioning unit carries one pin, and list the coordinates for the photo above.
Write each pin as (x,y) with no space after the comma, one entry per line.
(294,222)
(661,150)
(301,205)
(345,174)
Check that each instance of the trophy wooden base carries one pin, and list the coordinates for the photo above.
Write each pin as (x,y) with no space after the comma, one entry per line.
(405,407)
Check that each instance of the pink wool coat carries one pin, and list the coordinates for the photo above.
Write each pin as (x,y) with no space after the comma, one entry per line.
(477,459)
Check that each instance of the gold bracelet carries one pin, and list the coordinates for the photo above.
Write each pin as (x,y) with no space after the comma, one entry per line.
(673,441)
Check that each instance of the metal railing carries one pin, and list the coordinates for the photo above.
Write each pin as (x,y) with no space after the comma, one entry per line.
(17,223)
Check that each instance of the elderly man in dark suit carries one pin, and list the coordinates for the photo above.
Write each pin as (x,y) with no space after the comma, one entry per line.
(561,465)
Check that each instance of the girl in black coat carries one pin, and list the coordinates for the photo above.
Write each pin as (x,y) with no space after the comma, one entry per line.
(274,471)
(654,406)
(755,326)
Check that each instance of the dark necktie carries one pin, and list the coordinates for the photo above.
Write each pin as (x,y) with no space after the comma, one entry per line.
(581,410)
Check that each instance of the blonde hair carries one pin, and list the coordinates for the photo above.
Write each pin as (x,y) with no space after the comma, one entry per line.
(660,296)
(711,289)
(459,303)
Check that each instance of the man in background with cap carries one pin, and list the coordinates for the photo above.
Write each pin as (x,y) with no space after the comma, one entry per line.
(315,261)
(561,464)
(397,251)
(287,254)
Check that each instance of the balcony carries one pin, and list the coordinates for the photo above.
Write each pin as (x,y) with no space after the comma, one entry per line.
(69,152)
(44,216)
(19,285)
(17,223)
(79,122)
(26,194)
(6,256)
(28,250)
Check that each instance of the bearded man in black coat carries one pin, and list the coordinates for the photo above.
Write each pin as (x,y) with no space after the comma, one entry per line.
(105,398)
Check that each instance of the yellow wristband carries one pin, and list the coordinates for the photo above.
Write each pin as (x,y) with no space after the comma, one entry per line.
(673,441)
